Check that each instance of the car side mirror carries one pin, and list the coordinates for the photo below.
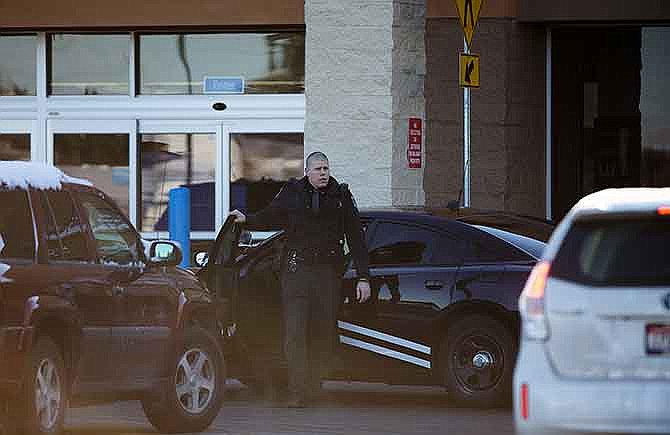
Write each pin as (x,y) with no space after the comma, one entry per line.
(201,259)
(165,253)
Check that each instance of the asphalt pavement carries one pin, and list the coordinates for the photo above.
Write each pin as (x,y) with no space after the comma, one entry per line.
(352,408)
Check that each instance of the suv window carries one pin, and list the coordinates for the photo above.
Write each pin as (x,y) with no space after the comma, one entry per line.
(17,236)
(68,225)
(116,241)
(611,252)
(400,244)
(54,247)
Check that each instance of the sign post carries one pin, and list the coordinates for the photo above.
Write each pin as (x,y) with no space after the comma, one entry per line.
(468,72)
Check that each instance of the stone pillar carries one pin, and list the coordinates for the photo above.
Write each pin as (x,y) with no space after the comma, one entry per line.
(364,73)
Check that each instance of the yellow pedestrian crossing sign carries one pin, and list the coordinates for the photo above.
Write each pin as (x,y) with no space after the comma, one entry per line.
(468,12)
(469,70)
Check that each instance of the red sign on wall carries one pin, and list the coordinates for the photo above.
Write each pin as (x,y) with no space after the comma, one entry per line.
(414,143)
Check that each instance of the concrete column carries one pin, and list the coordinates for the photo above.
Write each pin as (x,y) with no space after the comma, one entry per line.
(365,68)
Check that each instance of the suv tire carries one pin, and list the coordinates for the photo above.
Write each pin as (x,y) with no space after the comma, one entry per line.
(477,362)
(192,397)
(43,397)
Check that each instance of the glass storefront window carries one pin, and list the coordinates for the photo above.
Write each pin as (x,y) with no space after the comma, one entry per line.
(14,147)
(89,64)
(176,64)
(176,160)
(655,107)
(18,71)
(101,159)
(260,164)
(610,110)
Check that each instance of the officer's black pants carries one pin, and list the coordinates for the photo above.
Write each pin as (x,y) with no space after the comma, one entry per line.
(311,299)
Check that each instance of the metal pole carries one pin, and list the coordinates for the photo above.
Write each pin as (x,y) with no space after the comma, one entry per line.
(466,138)
(548,147)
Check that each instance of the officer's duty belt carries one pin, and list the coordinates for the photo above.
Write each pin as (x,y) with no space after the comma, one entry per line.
(315,256)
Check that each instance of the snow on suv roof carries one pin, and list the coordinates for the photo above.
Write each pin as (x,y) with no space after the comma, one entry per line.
(36,175)
(628,199)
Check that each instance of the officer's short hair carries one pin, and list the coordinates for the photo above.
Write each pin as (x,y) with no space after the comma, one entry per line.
(316,155)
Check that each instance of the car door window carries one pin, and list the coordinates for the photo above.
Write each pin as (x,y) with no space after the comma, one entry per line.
(116,241)
(17,238)
(401,244)
(490,249)
(54,247)
(68,225)
(449,251)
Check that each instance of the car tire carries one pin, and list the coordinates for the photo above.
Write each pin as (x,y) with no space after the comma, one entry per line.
(476,362)
(192,397)
(43,397)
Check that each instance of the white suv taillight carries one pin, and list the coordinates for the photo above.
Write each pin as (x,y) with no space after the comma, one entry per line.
(531,303)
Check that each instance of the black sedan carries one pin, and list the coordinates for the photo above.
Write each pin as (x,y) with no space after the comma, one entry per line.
(443,309)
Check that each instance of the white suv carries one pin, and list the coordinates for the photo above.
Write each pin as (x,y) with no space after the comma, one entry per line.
(595,348)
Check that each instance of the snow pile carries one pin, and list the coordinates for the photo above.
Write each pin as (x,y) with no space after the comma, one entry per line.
(36,175)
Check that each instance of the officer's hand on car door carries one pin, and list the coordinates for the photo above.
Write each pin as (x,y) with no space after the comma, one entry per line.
(362,291)
(239,216)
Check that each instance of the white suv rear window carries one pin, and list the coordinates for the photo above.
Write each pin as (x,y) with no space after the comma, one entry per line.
(616,252)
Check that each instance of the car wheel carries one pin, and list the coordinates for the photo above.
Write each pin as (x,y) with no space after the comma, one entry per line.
(192,398)
(43,396)
(477,362)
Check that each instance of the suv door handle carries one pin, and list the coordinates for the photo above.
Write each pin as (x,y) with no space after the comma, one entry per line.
(66,290)
(434,285)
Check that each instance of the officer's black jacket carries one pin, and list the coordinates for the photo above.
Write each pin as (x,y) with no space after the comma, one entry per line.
(291,210)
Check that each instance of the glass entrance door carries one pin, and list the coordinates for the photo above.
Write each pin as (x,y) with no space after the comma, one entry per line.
(101,152)
(16,137)
(263,156)
(181,154)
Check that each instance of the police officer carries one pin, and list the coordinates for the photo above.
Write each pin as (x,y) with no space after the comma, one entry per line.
(316,213)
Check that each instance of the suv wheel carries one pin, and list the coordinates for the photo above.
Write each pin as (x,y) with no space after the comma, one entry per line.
(43,397)
(193,396)
(477,361)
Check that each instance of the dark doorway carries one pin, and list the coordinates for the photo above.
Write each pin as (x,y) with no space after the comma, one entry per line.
(596,132)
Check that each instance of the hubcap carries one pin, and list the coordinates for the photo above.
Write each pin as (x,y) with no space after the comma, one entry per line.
(477,362)
(195,381)
(482,360)
(48,394)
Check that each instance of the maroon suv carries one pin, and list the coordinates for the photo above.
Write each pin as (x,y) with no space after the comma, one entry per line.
(90,312)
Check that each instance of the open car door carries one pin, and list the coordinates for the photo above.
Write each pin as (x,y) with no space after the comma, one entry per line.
(220,272)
